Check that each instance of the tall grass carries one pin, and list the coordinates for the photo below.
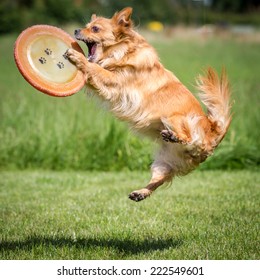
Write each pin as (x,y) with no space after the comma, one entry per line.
(77,133)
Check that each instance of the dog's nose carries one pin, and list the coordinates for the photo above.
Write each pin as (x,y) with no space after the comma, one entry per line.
(77,32)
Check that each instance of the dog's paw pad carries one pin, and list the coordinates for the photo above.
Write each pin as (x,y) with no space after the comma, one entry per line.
(136,196)
(70,54)
(169,136)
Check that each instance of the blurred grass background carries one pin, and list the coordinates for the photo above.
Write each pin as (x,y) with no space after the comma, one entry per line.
(39,131)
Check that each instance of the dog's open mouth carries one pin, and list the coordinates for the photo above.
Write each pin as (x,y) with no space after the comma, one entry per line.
(92,46)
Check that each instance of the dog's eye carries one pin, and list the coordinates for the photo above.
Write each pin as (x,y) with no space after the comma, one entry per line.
(95,29)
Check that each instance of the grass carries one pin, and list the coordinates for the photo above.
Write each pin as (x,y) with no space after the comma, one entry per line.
(76,215)
(75,133)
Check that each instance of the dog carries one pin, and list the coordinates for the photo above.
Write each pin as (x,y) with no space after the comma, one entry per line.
(124,70)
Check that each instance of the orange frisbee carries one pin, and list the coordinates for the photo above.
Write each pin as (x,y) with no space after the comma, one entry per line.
(39,54)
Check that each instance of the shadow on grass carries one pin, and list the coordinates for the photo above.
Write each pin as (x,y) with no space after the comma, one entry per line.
(125,246)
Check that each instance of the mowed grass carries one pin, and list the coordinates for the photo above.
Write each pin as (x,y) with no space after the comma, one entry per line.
(87,215)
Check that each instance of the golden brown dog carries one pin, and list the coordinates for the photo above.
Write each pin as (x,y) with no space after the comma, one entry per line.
(124,70)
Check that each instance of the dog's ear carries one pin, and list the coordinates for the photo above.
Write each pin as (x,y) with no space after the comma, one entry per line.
(93,17)
(123,17)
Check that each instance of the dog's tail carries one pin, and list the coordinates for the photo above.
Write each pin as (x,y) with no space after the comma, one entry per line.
(215,95)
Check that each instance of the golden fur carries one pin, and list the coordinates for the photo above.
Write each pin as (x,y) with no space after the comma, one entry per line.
(125,71)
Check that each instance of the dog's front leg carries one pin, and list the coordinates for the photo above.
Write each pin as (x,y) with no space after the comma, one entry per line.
(107,83)
(78,59)
(103,80)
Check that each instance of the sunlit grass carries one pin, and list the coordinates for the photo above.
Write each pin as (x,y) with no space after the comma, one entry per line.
(87,215)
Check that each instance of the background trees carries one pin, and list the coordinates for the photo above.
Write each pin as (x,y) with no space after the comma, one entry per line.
(15,15)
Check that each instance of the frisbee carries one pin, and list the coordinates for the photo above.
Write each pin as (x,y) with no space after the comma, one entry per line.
(39,54)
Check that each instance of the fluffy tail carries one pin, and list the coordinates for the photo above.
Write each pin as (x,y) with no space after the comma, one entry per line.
(215,95)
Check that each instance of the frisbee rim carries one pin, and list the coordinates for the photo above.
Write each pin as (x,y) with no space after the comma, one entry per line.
(24,40)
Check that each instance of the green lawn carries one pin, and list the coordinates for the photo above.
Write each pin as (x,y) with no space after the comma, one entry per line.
(87,215)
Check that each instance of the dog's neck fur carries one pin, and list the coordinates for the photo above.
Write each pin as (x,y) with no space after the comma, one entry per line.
(132,43)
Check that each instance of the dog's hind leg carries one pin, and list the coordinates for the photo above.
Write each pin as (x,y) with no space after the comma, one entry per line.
(176,130)
(161,173)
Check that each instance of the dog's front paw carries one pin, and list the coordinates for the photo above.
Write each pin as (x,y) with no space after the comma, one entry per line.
(72,55)
(77,58)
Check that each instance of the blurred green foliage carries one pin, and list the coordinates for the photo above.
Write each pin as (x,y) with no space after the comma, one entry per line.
(16,15)
(77,133)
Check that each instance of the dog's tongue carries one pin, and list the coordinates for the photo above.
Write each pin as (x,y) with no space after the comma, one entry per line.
(91,49)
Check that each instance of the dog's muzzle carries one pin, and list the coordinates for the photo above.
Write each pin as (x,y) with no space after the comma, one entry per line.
(77,34)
